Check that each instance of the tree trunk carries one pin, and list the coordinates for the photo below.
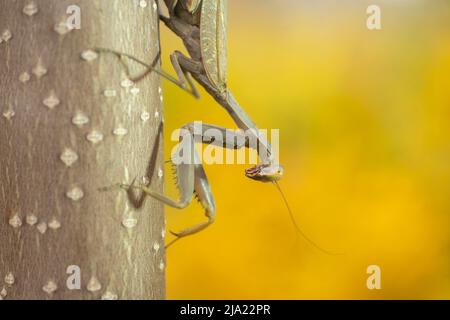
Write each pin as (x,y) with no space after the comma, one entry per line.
(71,124)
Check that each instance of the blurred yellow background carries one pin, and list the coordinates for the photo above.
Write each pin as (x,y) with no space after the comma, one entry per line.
(365,141)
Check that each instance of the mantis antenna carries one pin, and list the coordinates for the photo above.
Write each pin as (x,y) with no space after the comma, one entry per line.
(297,228)
(172,242)
(294,222)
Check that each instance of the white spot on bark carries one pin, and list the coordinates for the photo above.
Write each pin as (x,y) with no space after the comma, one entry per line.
(80,119)
(110,93)
(129,222)
(61,28)
(108,295)
(127,83)
(75,194)
(51,101)
(54,224)
(160,173)
(30,9)
(10,279)
(3,293)
(135,91)
(126,173)
(145,116)
(42,227)
(161,266)
(40,70)
(143,4)
(94,285)
(24,77)
(95,137)
(15,221)
(6,35)
(50,287)
(120,131)
(69,157)
(31,219)
(160,94)
(156,246)
(89,55)
(9,114)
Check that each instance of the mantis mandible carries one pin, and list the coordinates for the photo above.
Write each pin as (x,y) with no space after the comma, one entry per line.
(202,25)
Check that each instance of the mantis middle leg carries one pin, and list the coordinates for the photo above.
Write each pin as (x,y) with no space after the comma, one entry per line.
(184,80)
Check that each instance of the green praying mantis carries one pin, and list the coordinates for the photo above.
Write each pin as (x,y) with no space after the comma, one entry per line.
(202,26)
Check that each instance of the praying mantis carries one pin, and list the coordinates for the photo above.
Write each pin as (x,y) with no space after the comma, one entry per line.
(202,26)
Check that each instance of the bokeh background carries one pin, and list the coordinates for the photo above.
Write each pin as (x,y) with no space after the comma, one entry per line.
(365,141)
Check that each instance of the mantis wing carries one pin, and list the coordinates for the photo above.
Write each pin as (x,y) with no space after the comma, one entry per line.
(213,41)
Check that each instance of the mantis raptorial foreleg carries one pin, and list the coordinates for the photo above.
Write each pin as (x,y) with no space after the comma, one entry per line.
(191,176)
(192,180)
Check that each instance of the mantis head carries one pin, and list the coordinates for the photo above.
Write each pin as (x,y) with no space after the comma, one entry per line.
(265,172)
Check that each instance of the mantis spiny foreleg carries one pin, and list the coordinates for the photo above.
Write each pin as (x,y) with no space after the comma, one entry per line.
(191,177)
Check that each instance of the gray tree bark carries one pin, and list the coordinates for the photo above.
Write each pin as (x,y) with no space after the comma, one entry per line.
(71,124)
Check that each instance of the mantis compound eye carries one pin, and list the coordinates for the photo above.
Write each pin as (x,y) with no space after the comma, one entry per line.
(265,172)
